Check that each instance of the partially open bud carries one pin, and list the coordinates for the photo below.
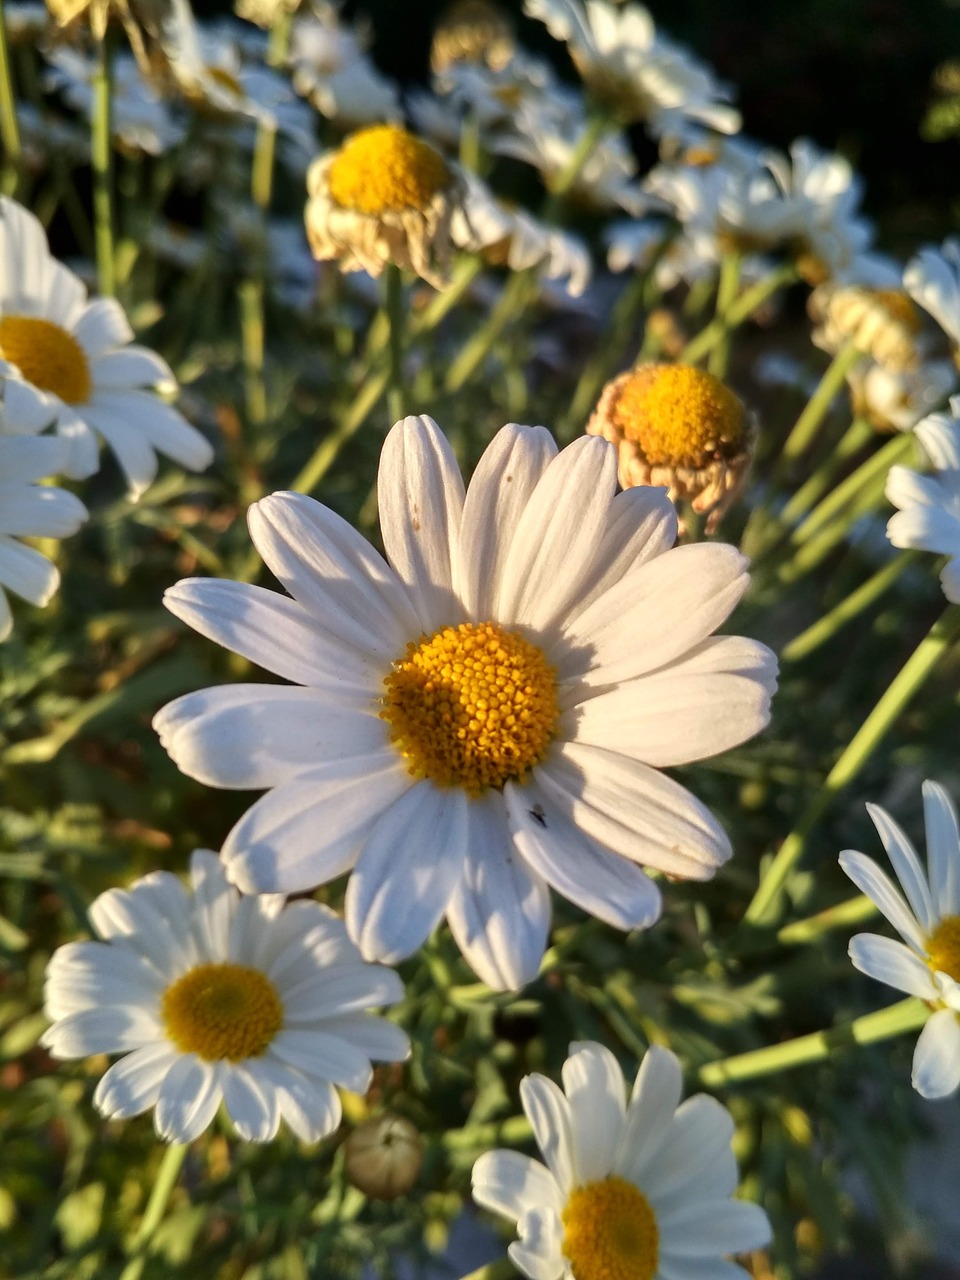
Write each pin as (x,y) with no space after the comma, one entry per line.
(678,426)
(384,1156)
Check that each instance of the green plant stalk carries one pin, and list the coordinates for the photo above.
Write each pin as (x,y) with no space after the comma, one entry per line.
(727,290)
(906,1015)
(825,628)
(396,315)
(326,452)
(805,427)
(596,127)
(167,1176)
(766,902)
(515,296)
(739,311)
(102,159)
(610,347)
(814,552)
(854,911)
(261,172)
(9,129)
(252,342)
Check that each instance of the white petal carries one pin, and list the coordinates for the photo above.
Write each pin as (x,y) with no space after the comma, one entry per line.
(149,918)
(38,511)
(310,830)
(310,1107)
(499,912)
(102,325)
(512,1184)
(539,1255)
(720,1226)
(655,1098)
(879,888)
(122,416)
(91,975)
(189,1097)
(214,902)
(343,988)
(408,868)
(943,849)
(133,450)
(251,1102)
(893,963)
(700,1133)
(420,495)
(132,1085)
(936,1059)
(319,941)
(105,1030)
(27,573)
(907,866)
(378,1039)
(548,1111)
(6,617)
(132,367)
(326,1057)
(593,1083)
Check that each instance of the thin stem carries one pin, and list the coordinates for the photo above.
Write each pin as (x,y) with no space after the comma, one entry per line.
(739,311)
(805,428)
(102,159)
(566,180)
(908,681)
(471,355)
(326,453)
(394,308)
(167,1176)
(9,129)
(854,911)
(726,296)
(906,1015)
(859,433)
(252,342)
(261,172)
(838,500)
(851,607)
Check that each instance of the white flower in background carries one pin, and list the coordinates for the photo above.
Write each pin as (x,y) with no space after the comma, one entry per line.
(43,135)
(897,400)
(632,1189)
(638,73)
(515,238)
(332,69)
(932,279)
(217,997)
(26,22)
(928,518)
(493,96)
(484,715)
(644,244)
(69,361)
(31,510)
(139,118)
(433,119)
(927,916)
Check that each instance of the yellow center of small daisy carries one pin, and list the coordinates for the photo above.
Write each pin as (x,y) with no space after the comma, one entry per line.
(610,1232)
(384,169)
(943,947)
(47,356)
(899,307)
(222,1011)
(473,706)
(678,415)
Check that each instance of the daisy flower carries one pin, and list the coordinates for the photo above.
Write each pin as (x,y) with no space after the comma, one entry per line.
(897,400)
(928,518)
(932,279)
(331,68)
(70,361)
(631,1190)
(478,718)
(927,916)
(31,510)
(217,997)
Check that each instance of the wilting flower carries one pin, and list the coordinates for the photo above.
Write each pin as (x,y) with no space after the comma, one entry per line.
(383,196)
(678,426)
(896,400)
(216,997)
(31,510)
(487,716)
(632,1190)
(71,362)
(472,31)
(928,518)
(932,279)
(882,323)
(927,917)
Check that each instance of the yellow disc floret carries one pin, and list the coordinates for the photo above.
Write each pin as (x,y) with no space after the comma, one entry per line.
(47,356)
(610,1232)
(473,706)
(678,415)
(222,1011)
(899,307)
(943,947)
(384,169)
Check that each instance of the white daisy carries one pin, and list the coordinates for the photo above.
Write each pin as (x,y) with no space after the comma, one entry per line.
(483,716)
(631,1190)
(927,962)
(896,400)
(31,510)
(69,361)
(932,279)
(219,997)
(332,69)
(928,518)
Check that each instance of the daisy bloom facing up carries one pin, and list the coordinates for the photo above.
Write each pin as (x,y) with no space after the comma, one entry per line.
(383,196)
(217,997)
(631,1190)
(487,714)
(927,916)
(72,362)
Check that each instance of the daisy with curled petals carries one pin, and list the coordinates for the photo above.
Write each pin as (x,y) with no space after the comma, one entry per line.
(631,1190)
(926,914)
(487,714)
(72,362)
(217,997)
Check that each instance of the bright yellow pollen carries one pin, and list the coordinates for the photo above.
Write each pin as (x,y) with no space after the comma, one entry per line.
(899,307)
(222,1011)
(473,706)
(943,947)
(678,415)
(384,169)
(610,1232)
(47,356)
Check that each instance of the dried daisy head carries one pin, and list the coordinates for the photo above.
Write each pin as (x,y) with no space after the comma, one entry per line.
(676,425)
(472,31)
(882,323)
(383,196)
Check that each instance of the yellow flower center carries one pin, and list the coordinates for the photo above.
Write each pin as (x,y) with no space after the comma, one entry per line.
(610,1232)
(384,169)
(473,706)
(679,415)
(943,947)
(47,356)
(222,1011)
(899,307)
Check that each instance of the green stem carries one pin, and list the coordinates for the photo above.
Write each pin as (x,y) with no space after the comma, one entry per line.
(851,607)
(727,290)
(859,433)
(394,308)
(9,129)
(326,453)
(261,172)
(908,681)
(838,500)
(805,428)
(167,1176)
(252,342)
(502,1269)
(515,295)
(739,311)
(906,1015)
(566,180)
(610,345)
(102,159)
(854,911)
